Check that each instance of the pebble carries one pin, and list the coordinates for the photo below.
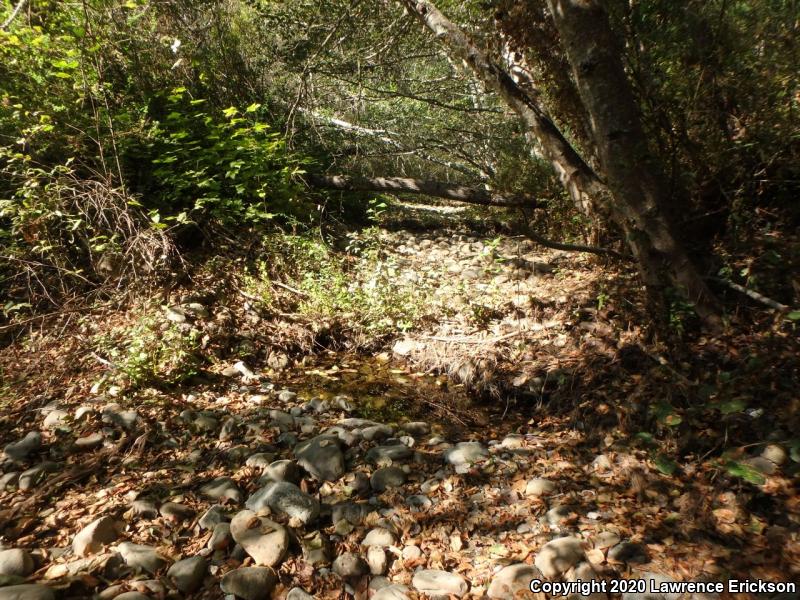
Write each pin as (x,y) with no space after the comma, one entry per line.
(439,583)
(262,460)
(264,540)
(350,565)
(465,453)
(115,415)
(26,591)
(55,419)
(95,535)
(90,441)
(221,489)
(411,552)
(212,517)
(131,596)
(629,552)
(377,560)
(188,574)
(176,512)
(20,449)
(297,593)
(379,537)
(281,470)
(321,457)
(558,556)
(539,487)
(250,583)
(387,477)
(220,537)
(287,498)
(32,477)
(388,453)
(513,580)
(16,562)
(392,592)
(141,557)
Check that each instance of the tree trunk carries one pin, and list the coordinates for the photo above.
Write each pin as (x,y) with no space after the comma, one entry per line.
(437,189)
(632,173)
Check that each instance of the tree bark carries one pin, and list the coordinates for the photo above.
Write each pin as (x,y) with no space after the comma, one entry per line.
(632,173)
(437,189)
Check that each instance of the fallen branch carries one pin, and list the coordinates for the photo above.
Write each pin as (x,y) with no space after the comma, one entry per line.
(437,189)
(17,9)
(573,247)
(753,294)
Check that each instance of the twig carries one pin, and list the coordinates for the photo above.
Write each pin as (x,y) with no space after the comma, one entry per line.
(17,9)
(753,294)
(290,288)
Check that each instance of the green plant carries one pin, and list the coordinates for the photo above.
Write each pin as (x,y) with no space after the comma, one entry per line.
(152,352)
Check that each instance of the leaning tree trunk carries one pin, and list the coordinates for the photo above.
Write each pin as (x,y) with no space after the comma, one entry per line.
(632,173)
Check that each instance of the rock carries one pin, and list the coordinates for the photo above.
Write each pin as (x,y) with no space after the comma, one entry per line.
(391,592)
(188,574)
(20,449)
(657,579)
(628,552)
(55,419)
(558,556)
(229,429)
(584,571)
(262,460)
(95,535)
(513,580)
(132,596)
(220,537)
(351,512)
(175,314)
(377,561)
(138,556)
(465,453)
(405,347)
(286,396)
(250,583)
(176,512)
(282,420)
(281,470)
(389,453)
(379,537)
(115,415)
(418,502)
(32,477)
(350,565)
(285,497)
(90,441)
(205,423)
(266,541)
(377,432)
(297,593)
(16,562)
(558,515)
(387,477)
(513,441)
(221,489)
(9,480)
(26,591)
(144,508)
(316,549)
(775,453)
(762,465)
(416,428)
(601,463)
(212,517)
(321,457)
(539,487)
(358,483)
(439,583)
(411,552)
(607,539)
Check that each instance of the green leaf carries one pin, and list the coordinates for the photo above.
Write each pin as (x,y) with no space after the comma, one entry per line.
(666,465)
(230,111)
(794,315)
(746,472)
(253,107)
(732,406)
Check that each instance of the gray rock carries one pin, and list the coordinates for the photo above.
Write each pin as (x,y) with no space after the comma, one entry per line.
(558,556)
(56,419)
(379,537)
(282,420)
(439,583)
(262,460)
(281,470)
(601,463)
(416,428)
(513,580)
(32,477)
(21,449)
(392,592)
(9,480)
(205,423)
(115,415)
(387,477)
(229,429)
(322,457)
(131,596)
(144,508)
(95,535)
(286,396)
(351,512)
(513,441)
(358,483)
(606,539)
(188,574)
(285,497)
(176,512)
(628,552)
(377,432)
(250,583)
(418,502)
(26,591)
(539,487)
(16,562)
(465,453)
(212,517)
(220,537)
(221,489)
(316,549)
(411,552)
(762,465)
(297,593)
(386,454)
(90,441)
(356,423)
(264,540)
(377,561)
(350,565)
(775,453)
(141,557)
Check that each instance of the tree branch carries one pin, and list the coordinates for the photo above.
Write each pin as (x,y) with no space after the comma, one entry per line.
(437,189)
(17,9)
